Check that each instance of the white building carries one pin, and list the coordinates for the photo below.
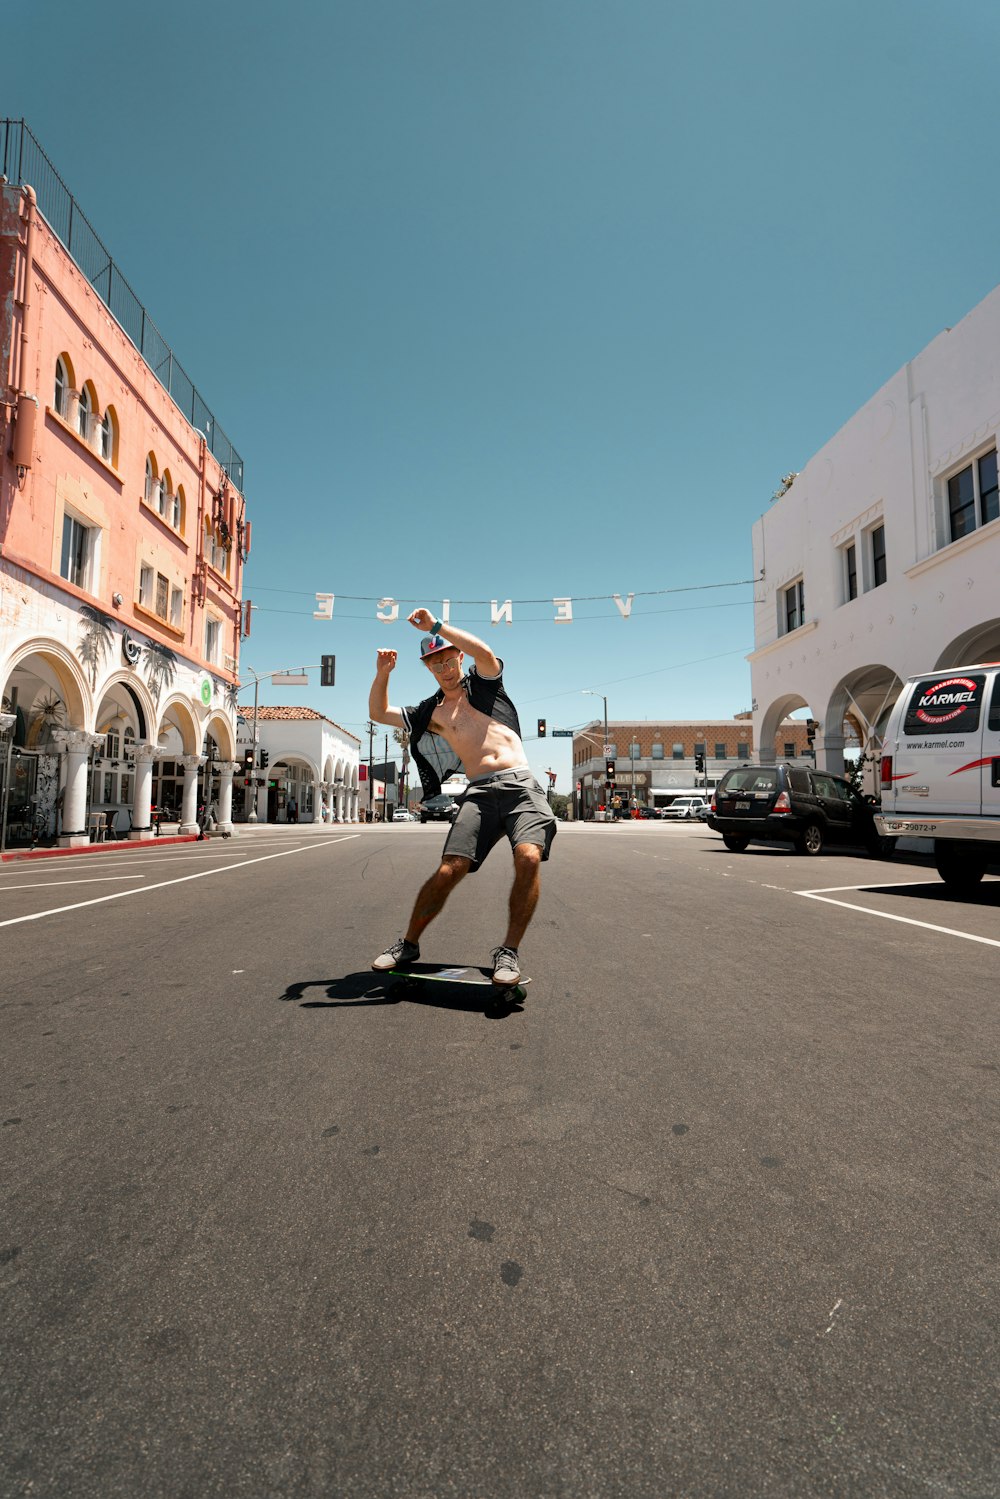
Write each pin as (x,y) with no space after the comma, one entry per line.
(311,762)
(882,558)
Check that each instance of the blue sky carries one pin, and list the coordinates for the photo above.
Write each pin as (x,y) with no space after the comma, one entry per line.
(526,300)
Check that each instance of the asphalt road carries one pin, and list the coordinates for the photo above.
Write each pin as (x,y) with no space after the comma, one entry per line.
(712,1214)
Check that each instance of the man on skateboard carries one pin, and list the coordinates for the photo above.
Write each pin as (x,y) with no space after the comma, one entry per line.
(469,722)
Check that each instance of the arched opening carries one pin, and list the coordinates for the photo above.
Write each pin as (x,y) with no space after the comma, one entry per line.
(43,696)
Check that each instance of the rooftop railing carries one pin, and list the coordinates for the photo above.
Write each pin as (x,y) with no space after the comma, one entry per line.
(23,162)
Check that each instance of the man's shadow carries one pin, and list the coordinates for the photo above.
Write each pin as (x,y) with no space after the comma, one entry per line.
(355,990)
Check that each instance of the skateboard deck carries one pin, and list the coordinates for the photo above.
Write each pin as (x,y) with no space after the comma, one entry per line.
(455,973)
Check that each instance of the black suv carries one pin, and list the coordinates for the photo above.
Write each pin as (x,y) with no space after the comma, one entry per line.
(439,809)
(793,804)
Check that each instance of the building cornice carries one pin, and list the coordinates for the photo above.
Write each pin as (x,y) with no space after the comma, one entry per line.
(782,640)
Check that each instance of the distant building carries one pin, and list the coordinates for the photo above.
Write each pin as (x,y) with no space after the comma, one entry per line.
(123,536)
(881,558)
(655,762)
(312,764)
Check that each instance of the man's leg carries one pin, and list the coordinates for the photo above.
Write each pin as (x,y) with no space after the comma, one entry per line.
(524,892)
(433,894)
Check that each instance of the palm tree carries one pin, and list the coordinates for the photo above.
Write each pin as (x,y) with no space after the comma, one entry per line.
(96,638)
(161,668)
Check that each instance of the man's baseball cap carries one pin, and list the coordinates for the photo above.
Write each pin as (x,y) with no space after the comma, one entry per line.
(431,644)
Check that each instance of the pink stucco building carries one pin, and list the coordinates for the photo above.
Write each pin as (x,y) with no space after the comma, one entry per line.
(123,538)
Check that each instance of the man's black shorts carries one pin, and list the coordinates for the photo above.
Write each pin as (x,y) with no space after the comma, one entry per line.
(510,802)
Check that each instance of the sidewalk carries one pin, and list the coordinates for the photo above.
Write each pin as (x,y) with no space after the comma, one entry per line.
(149,845)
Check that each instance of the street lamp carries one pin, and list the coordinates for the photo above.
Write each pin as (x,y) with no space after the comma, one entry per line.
(587,692)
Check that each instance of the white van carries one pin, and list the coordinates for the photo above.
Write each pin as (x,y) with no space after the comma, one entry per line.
(941,769)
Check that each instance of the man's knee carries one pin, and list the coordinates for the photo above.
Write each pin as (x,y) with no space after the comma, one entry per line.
(452,869)
(527,857)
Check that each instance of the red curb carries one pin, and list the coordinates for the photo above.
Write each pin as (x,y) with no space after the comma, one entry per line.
(13,855)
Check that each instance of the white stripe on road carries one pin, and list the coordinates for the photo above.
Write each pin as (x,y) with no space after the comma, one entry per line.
(928,926)
(102,879)
(180,880)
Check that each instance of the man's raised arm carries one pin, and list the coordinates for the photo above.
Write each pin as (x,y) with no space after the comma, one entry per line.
(487,663)
(378,698)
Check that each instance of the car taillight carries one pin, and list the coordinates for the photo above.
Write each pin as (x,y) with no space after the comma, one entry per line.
(712,807)
(886,770)
(783,804)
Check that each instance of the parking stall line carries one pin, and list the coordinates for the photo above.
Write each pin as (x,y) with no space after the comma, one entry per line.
(928,926)
(182,879)
(100,879)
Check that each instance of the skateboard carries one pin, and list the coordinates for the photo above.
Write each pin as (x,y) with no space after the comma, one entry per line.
(447,973)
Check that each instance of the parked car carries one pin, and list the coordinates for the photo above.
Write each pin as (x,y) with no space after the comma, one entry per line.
(792,804)
(439,809)
(401,814)
(685,806)
(642,814)
(704,812)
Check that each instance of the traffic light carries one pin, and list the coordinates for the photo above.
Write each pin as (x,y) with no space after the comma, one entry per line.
(248,758)
(699,764)
(327,670)
(609,769)
(264,758)
(541,728)
(812,725)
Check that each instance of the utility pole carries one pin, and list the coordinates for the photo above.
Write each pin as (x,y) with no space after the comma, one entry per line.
(385,781)
(371,783)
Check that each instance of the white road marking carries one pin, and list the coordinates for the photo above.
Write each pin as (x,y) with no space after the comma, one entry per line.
(181,880)
(928,926)
(102,879)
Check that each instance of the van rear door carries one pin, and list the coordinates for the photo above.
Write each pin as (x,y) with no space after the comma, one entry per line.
(936,757)
(991,752)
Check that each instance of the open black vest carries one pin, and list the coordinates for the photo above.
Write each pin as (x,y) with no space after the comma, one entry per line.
(434,757)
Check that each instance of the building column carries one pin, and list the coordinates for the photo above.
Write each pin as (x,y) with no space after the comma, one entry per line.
(319,801)
(189,803)
(142,828)
(227,769)
(77,746)
(830,752)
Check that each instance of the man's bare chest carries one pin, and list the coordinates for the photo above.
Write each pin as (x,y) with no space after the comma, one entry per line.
(460,721)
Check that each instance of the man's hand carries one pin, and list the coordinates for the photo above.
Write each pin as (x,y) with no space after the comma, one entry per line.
(385,662)
(421,619)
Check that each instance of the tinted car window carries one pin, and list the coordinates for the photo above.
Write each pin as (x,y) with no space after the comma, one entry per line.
(749,780)
(945,704)
(798,780)
(995,707)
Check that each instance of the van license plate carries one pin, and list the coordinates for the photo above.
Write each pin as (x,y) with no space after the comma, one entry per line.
(742,806)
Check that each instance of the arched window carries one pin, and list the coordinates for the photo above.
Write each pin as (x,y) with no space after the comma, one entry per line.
(85,410)
(62,386)
(150,478)
(165,498)
(109,437)
(177,517)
